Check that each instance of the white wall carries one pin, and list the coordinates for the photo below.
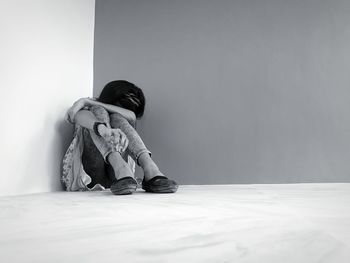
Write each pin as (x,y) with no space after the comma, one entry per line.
(239,91)
(46,52)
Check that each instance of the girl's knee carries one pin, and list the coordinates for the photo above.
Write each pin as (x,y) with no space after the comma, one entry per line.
(117,120)
(100,113)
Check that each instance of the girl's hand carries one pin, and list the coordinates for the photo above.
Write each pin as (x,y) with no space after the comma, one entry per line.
(115,137)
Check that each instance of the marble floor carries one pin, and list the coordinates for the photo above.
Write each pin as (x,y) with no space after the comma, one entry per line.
(212,223)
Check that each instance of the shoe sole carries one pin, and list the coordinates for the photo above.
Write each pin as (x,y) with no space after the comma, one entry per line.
(124,191)
(162,190)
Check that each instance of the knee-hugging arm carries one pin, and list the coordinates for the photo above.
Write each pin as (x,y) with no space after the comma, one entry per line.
(86,119)
(87,103)
(85,114)
(127,114)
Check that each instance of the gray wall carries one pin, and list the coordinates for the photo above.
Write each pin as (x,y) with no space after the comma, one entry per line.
(238,91)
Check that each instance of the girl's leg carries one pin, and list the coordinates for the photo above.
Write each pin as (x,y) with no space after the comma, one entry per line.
(100,160)
(119,169)
(136,148)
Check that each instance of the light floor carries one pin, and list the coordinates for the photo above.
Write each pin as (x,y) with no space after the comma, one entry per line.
(223,223)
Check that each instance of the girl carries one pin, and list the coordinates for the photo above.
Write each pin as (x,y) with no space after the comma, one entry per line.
(106,145)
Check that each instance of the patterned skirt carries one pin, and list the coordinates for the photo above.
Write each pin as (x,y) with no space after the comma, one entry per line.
(73,176)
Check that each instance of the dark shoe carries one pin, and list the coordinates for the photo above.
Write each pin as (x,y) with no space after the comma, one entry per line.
(124,186)
(160,184)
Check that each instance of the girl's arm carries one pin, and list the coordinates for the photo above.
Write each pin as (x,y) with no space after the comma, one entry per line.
(87,102)
(127,114)
(86,119)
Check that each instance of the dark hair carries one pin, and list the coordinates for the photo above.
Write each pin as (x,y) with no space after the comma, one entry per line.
(124,94)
